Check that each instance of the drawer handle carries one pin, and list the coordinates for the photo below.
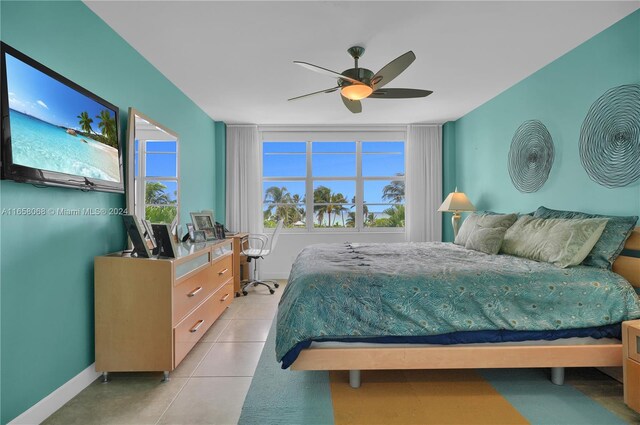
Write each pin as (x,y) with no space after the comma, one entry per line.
(224,298)
(194,292)
(197,326)
(221,272)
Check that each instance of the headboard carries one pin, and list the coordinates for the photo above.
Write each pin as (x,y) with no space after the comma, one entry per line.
(628,263)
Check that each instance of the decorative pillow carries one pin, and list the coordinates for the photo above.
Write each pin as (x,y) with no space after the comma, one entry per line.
(484,220)
(563,242)
(486,239)
(465,230)
(497,220)
(610,244)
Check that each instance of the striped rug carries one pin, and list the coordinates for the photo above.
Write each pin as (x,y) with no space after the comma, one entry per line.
(495,396)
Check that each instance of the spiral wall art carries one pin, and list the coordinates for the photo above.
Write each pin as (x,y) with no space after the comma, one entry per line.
(530,156)
(610,137)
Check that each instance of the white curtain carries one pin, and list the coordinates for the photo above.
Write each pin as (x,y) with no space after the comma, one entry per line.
(244,173)
(423,183)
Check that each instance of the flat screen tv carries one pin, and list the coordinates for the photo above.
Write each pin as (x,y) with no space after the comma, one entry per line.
(55,132)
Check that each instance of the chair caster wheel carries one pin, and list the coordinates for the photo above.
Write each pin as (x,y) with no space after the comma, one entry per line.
(272,291)
(277,285)
(244,293)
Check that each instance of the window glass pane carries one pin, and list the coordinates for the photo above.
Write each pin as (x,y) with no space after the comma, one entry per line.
(386,147)
(283,192)
(159,214)
(161,165)
(161,192)
(333,201)
(334,147)
(383,215)
(334,215)
(294,215)
(382,158)
(135,158)
(284,159)
(384,191)
(333,159)
(169,146)
(289,165)
(341,192)
(286,147)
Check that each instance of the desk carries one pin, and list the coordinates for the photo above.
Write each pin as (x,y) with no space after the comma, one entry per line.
(240,265)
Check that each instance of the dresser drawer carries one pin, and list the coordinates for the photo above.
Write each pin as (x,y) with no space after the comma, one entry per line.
(191,292)
(222,270)
(223,297)
(190,330)
(633,343)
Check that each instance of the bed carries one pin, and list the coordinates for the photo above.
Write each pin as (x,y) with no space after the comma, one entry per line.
(338,312)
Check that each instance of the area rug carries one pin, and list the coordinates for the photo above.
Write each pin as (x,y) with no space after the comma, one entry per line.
(496,396)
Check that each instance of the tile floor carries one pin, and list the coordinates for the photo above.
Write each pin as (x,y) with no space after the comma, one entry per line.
(211,383)
(208,387)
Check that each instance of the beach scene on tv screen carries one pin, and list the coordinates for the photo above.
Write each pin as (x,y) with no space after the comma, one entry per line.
(56,128)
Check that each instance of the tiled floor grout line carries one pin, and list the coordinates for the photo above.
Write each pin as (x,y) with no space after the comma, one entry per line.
(192,372)
(172,400)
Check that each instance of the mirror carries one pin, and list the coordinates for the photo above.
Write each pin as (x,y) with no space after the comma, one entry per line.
(153,178)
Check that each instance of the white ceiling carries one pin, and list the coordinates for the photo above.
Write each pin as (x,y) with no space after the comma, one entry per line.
(234,59)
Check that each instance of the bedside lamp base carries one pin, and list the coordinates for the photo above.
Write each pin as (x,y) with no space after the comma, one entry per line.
(455,222)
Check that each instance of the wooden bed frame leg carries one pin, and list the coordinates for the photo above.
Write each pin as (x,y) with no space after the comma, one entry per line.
(557,375)
(354,378)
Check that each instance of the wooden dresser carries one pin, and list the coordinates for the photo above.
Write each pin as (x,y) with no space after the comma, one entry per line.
(149,313)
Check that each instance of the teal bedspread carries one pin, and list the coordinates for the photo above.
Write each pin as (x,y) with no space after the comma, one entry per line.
(410,289)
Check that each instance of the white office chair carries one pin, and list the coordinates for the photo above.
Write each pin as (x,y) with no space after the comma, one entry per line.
(263,247)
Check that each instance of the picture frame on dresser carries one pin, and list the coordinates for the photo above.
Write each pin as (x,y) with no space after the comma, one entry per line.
(164,239)
(136,234)
(205,222)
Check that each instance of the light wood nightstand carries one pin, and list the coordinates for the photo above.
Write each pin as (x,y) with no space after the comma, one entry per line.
(631,363)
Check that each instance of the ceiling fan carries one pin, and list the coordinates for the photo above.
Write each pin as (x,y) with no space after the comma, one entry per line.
(357,83)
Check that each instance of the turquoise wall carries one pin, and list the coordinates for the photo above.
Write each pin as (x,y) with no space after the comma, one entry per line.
(47,262)
(559,95)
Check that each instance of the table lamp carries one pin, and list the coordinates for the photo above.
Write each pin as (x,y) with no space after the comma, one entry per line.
(456,202)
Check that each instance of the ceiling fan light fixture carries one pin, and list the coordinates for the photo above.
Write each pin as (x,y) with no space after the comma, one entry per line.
(356,91)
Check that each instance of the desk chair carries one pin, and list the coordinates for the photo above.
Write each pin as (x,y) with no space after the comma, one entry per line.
(264,246)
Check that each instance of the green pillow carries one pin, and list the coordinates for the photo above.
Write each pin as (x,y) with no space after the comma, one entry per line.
(485,220)
(486,239)
(563,242)
(610,244)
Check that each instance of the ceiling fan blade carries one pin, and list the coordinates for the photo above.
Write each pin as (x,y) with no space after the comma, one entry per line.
(399,93)
(326,71)
(331,90)
(392,69)
(354,106)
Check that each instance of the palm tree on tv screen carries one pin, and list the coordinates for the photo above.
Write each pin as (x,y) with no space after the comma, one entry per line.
(85,122)
(108,126)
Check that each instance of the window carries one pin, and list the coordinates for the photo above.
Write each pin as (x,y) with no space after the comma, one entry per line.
(156,180)
(333,184)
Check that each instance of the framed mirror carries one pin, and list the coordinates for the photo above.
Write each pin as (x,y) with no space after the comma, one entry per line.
(153,170)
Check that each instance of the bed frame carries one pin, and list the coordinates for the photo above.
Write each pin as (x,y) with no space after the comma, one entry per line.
(473,356)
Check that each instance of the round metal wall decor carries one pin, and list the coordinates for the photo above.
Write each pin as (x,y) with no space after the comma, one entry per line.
(530,156)
(610,137)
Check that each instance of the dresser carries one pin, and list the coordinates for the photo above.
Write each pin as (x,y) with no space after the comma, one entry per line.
(149,312)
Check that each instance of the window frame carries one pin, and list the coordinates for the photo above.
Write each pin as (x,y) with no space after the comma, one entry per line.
(140,181)
(395,134)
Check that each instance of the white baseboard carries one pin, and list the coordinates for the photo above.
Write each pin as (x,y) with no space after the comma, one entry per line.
(48,405)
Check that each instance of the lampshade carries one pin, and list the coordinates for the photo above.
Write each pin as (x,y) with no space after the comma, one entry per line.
(356,91)
(456,202)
